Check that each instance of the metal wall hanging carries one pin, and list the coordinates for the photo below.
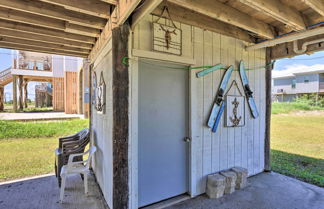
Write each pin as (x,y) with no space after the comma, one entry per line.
(235,108)
(167,37)
(94,88)
(101,95)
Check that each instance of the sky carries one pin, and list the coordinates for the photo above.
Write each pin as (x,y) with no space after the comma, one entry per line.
(307,60)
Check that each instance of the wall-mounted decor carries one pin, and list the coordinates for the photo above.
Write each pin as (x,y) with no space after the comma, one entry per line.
(101,95)
(94,88)
(248,92)
(167,37)
(235,106)
(235,111)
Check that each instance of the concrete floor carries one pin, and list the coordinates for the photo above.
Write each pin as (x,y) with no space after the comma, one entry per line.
(33,116)
(43,193)
(265,191)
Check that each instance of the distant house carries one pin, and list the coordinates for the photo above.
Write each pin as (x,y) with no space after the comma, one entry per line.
(289,85)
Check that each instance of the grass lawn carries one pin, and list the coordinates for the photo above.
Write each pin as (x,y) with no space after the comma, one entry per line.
(297,145)
(27,148)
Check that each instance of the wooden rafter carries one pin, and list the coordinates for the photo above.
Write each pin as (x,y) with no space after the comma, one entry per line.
(43,39)
(40,49)
(317,5)
(279,11)
(145,9)
(95,8)
(112,2)
(52,33)
(48,10)
(22,17)
(190,17)
(222,12)
(23,42)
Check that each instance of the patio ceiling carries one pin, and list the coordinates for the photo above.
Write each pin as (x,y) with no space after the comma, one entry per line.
(80,28)
(67,27)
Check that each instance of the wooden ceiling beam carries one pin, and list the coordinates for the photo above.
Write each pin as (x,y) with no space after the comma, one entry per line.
(39,44)
(22,17)
(287,49)
(227,14)
(317,5)
(146,8)
(190,17)
(57,12)
(279,11)
(112,2)
(95,8)
(40,49)
(43,39)
(36,30)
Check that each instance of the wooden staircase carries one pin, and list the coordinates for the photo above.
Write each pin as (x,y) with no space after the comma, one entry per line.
(5,77)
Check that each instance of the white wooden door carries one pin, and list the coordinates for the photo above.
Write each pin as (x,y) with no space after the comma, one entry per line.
(163,125)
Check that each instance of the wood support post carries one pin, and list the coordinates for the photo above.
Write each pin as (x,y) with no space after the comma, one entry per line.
(20,86)
(25,93)
(14,93)
(120,88)
(1,98)
(268,78)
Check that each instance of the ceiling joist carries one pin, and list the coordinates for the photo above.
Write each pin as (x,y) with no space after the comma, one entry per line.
(25,43)
(40,49)
(317,5)
(95,8)
(279,11)
(227,14)
(53,11)
(26,28)
(22,17)
(44,39)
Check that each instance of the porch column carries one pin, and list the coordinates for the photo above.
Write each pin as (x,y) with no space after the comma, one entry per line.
(120,88)
(268,78)
(1,98)
(20,86)
(25,93)
(14,92)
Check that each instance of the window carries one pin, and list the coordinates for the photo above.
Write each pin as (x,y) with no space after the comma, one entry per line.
(39,66)
(306,80)
(293,84)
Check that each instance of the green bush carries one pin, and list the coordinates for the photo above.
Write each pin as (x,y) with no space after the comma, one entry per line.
(304,102)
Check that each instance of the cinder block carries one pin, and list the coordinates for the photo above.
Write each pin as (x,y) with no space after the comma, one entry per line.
(215,185)
(241,174)
(230,181)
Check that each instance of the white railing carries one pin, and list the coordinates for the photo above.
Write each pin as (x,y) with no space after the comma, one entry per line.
(5,75)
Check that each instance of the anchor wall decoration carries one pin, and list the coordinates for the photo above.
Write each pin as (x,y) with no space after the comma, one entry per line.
(235,120)
(235,108)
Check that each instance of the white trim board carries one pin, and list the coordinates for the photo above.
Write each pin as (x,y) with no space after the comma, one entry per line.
(163,57)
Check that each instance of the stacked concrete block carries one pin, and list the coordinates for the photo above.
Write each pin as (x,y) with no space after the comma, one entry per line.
(241,180)
(230,179)
(215,185)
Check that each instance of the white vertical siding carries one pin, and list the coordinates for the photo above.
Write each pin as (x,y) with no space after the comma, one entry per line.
(102,128)
(228,147)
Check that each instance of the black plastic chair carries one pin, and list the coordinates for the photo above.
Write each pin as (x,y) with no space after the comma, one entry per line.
(70,145)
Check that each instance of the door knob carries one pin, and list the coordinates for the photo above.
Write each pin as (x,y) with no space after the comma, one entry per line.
(187,139)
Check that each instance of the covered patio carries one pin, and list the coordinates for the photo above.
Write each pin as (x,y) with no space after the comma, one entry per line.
(43,192)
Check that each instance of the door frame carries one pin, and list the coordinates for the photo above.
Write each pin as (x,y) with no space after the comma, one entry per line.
(133,130)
